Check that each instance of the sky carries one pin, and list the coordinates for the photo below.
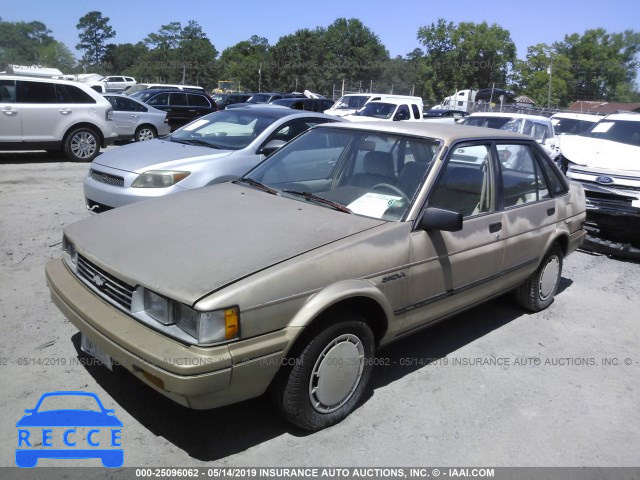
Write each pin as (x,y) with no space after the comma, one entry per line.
(395,23)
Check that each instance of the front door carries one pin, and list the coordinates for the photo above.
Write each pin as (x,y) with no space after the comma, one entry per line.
(453,270)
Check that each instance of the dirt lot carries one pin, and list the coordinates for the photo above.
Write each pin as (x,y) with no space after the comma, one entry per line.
(557,388)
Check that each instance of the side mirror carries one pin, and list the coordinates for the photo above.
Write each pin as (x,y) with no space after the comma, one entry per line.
(272,146)
(434,218)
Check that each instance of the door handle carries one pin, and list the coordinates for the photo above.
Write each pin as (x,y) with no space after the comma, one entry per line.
(495,227)
(551,211)
(9,112)
(64,111)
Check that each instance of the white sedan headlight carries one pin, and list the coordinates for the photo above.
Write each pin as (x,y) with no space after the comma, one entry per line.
(207,328)
(159,178)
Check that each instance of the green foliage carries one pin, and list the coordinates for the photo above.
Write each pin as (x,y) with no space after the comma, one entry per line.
(94,32)
(248,64)
(467,55)
(23,43)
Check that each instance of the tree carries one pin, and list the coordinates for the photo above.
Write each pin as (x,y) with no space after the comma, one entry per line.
(467,55)
(125,58)
(248,63)
(94,32)
(297,62)
(21,42)
(603,64)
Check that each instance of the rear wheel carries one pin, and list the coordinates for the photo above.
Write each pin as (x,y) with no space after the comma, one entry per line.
(537,292)
(144,133)
(82,145)
(329,375)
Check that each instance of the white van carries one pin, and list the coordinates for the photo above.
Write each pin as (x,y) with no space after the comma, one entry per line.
(352,102)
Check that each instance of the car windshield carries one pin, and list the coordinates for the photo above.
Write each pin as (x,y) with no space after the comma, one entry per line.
(355,102)
(570,126)
(378,110)
(623,131)
(227,129)
(490,122)
(373,174)
(69,402)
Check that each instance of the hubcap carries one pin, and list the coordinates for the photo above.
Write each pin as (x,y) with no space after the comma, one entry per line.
(145,134)
(549,277)
(83,145)
(337,373)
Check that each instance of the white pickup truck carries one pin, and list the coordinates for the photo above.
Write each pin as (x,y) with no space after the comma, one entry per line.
(351,103)
(389,109)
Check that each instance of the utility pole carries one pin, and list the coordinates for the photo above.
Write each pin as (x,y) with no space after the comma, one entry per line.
(549,94)
(260,78)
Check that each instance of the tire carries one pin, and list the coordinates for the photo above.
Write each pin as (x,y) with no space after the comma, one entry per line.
(329,376)
(537,292)
(144,133)
(82,145)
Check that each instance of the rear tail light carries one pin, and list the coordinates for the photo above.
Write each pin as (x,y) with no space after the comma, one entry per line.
(108,115)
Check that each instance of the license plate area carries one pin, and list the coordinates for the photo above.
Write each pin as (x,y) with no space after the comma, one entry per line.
(90,348)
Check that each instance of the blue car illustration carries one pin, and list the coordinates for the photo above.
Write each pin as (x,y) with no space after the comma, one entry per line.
(37,418)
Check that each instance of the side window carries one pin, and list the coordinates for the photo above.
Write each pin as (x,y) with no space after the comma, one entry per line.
(416,110)
(402,113)
(178,99)
(467,185)
(539,132)
(160,99)
(7,91)
(76,94)
(294,128)
(556,185)
(521,175)
(198,100)
(36,92)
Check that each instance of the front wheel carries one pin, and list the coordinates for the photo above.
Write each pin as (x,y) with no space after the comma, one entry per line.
(82,145)
(537,291)
(329,375)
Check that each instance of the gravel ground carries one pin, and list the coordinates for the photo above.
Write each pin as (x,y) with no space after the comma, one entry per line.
(507,388)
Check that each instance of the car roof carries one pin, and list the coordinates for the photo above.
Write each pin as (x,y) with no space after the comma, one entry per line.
(449,132)
(631,116)
(282,112)
(509,115)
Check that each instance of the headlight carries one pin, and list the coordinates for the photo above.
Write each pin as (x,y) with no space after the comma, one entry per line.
(70,249)
(159,178)
(206,327)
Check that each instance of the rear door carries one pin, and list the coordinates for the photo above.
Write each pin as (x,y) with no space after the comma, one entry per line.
(10,115)
(452,270)
(42,111)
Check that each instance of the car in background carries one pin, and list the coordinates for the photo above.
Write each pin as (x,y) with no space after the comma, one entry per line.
(213,149)
(537,127)
(307,104)
(118,84)
(144,86)
(343,241)
(265,97)
(390,109)
(136,120)
(566,123)
(53,115)
(181,106)
(224,99)
(442,113)
(606,160)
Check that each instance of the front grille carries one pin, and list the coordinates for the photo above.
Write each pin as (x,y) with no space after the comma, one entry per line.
(106,284)
(107,178)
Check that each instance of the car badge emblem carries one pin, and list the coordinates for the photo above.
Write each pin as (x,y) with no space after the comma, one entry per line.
(604,180)
(98,280)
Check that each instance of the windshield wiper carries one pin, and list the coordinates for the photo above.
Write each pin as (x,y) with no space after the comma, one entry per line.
(194,141)
(314,198)
(257,184)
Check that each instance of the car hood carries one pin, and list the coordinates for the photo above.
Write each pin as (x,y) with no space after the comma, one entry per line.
(161,154)
(599,153)
(190,244)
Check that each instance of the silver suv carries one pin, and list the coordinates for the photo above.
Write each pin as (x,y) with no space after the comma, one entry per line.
(52,115)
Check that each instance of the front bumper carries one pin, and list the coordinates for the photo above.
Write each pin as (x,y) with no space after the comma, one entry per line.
(195,377)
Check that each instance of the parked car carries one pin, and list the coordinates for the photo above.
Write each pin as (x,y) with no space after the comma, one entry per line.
(181,106)
(536,126)
(265,97)
(213,149)
(389,110)
(52,115)
(442,113)
(344,240)
(224,99)
(118,84)
(138,87)
(137,121)
(606,161)
(566,123)
(308,104)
